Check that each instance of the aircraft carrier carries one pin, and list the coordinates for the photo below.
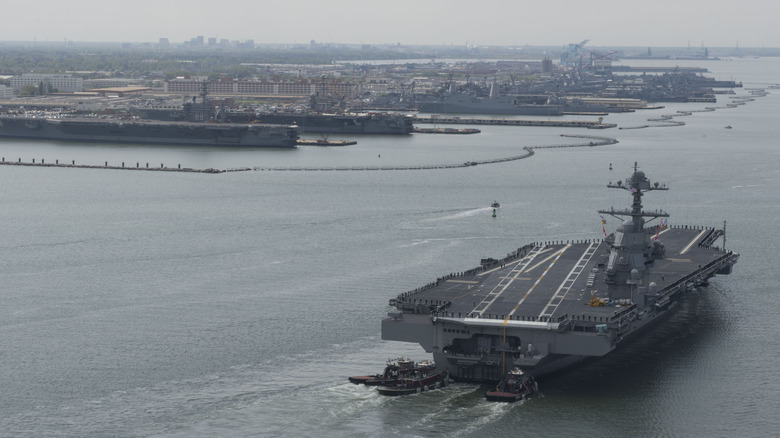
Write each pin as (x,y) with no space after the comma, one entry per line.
(308,122)
(148,132)
(549,305)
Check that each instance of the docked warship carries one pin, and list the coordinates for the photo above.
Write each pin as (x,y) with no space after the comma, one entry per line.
(148,132)
(359,123)
(454,102)
(549,305)
(308,122)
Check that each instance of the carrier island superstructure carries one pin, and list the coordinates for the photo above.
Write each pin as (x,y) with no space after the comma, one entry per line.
(549,305)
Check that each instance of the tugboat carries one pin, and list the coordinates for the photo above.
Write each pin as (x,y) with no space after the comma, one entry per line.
(393,371)
(514,386)
(414,378)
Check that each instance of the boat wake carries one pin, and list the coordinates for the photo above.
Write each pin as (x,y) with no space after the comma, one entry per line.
(460,214)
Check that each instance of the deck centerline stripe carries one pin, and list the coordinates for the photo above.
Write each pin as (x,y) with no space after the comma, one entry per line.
(559,254)
(695,239)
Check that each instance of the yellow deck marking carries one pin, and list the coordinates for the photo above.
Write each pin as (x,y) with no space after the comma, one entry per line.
(695,239)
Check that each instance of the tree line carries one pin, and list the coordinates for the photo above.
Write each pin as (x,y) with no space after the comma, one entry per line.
(96,62)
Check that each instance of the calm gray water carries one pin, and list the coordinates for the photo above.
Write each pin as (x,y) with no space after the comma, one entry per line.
(178,305)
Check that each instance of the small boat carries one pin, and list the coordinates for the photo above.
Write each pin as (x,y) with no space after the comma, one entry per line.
(495,204)
(728,126)
(393,371)
(514,386)
(420,377)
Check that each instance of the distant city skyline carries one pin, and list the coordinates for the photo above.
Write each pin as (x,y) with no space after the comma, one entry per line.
(696,23)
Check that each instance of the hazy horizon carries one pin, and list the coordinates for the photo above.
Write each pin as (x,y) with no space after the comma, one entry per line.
(661,23)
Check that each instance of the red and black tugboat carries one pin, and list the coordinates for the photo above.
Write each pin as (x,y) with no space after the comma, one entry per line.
(514,386)
(415,378)
(393,371)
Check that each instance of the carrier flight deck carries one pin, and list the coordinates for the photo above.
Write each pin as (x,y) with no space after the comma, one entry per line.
(548,305)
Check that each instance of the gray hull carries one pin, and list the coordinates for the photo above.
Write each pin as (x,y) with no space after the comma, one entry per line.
(465,104)
(549,305)
(149,132)
(369,124)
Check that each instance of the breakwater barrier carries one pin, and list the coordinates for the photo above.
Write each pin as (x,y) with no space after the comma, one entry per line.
(592,141)
(667,120)
(528,151)
(138,166)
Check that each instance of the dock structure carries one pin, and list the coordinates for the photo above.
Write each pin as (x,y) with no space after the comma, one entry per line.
(324,142)
(589,124)
(446,131)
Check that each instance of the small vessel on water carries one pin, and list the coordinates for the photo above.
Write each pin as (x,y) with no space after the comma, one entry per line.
(393,371)
(514,386)
(495,204)
(405,376)
(417,382)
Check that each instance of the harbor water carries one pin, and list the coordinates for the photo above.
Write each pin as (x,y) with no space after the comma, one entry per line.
(171,304)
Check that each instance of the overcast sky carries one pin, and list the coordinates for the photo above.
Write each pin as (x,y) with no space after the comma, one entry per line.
(712,23)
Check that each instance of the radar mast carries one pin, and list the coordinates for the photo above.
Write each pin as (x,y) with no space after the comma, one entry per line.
(633,248)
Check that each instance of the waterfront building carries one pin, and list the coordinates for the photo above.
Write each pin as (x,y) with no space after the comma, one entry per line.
(6,92)
(262,87)
(91,84)
(60,82)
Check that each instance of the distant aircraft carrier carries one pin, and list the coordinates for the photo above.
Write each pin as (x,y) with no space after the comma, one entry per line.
(549,305)
(148,132)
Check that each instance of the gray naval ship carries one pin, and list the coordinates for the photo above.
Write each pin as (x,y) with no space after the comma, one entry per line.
(549,305)
(454,102)
(148,132)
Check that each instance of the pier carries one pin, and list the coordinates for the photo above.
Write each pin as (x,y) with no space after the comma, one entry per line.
(324,142)
(589,124)
(446,131)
